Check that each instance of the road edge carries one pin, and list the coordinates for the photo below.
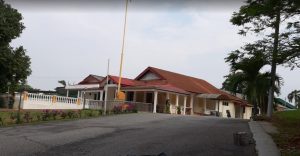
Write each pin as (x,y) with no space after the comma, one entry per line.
(265,145)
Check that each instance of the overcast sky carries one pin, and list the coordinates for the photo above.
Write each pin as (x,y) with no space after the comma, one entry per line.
(68,41)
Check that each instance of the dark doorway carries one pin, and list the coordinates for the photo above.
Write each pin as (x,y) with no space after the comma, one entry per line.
(149,98)
(129,96)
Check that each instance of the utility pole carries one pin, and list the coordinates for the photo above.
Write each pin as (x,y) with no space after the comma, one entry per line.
(106,87)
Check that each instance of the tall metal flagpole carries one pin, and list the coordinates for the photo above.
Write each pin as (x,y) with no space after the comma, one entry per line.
(122,51)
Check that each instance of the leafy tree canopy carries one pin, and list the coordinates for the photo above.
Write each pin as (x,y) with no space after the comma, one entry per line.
(276,22)
(14,63)
(10,23)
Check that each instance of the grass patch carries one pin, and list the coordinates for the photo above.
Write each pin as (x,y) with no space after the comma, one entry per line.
(9,117)
(288,138)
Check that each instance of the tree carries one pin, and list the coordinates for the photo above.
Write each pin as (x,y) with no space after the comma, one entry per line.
(62,82)
(295,95)
(245,76)
(14,63)
(267,17)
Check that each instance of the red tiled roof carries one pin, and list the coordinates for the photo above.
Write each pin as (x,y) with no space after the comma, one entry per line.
(187,83)
(124,81)
(184,82)
(92,79)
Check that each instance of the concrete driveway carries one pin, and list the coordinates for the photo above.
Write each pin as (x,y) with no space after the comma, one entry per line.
(130,134)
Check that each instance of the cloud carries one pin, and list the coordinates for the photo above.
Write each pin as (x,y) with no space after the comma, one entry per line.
(69,45)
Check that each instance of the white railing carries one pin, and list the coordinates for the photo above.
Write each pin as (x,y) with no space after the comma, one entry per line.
(51,98)
(41,101)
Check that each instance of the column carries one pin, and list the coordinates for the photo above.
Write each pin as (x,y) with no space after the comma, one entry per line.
(204,105)
(155,101)
(134,96)
(192,104)
(78,94)
(177,103)
(177,100)
(168,97)
(67,92)
(101,95)
(184,105)
(105,99)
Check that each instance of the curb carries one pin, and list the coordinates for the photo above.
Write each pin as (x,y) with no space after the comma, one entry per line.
(265,145)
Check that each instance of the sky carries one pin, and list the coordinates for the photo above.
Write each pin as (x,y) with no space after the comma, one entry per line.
(68,41)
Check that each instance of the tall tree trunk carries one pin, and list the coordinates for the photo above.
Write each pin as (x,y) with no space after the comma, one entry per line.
(274,63)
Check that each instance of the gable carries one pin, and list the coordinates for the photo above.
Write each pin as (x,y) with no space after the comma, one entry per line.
(149,76)
(91,79)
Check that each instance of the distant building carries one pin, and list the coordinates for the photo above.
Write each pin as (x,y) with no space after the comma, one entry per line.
(282,105)
(157,87)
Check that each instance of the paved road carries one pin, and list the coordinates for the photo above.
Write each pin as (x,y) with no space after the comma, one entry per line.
(131,134)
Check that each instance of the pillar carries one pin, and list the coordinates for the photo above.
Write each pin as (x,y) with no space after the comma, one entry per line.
(105,99)
(192,104)
(67,92)
(134,96)
(184,105)
(78,94)
(204,105)
(177,103)
(101,95)
(168,97)
(155,101)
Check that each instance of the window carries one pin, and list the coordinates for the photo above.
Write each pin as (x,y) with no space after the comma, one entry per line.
(129,96)
(225,103)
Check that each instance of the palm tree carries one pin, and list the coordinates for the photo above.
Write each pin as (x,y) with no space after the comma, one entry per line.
(246,78)
(295,95)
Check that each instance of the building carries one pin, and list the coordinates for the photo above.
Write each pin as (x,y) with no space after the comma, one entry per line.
(282,105)
(162,89)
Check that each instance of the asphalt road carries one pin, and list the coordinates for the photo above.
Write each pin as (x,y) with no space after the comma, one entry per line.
(131,134)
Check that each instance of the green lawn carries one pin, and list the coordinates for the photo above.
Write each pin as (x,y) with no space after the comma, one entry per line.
(288,139)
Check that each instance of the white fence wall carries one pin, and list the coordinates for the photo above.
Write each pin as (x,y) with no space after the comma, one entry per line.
(39,101)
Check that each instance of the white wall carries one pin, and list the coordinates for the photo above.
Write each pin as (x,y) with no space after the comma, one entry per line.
(230,107)
(248,112)
(40,101)
(47,105)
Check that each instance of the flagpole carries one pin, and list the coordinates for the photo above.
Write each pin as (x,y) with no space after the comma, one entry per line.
(122,51)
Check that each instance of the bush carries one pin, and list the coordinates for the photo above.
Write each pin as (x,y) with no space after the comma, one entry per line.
(54,114)
(1,121)
(117,109)
(100,112)
(70,114)
(261,118)
(63,115)
(46,115)
(27,117)
(178,110)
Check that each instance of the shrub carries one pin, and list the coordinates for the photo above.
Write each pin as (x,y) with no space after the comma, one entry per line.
(38,117)
(1,121)
(54,114)
(100,112)
(46,115)
(79,113)
(117,109)
(178,110)
(27,117)
(63,114)
(261,118)
(70,114)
